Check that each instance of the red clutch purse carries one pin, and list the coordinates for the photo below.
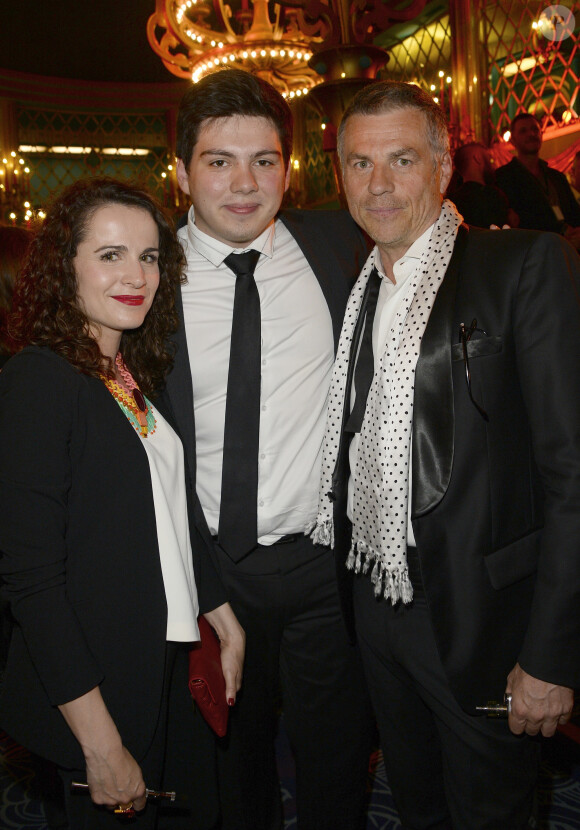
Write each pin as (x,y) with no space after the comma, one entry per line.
(206,679)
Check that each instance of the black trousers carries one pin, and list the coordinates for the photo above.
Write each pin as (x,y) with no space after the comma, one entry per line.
(446,768)
(297,652)
(181,758)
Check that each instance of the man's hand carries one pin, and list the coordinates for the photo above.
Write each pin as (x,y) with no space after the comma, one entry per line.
(536,705)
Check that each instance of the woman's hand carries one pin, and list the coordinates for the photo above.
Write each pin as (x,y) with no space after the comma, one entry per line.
(113,775)
(115,779)
(232,644)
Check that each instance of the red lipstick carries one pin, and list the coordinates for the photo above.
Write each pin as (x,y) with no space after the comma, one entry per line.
(130,299)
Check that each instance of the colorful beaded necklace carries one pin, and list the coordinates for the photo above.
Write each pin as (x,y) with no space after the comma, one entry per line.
(132,401)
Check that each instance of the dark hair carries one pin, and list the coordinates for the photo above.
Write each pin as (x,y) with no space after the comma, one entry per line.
(224,94)
(520,117)
(46,310)
(386,96)
(14,244)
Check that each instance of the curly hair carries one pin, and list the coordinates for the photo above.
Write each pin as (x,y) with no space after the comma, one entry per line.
(46,309)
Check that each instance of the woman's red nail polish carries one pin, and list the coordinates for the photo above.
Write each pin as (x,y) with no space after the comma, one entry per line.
(231,701)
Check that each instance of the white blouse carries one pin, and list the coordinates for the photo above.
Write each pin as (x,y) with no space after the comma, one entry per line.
(166,462)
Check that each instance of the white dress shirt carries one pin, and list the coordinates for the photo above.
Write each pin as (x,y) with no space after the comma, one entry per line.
(297,357)
(389,301)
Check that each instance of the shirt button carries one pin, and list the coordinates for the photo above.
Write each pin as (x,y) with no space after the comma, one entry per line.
(264,407)
(262,455)
(261,503)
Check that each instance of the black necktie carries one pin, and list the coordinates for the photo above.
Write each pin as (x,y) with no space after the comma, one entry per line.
(365,365)
(238,524)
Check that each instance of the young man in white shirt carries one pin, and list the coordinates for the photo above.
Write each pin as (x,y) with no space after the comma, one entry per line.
(234,138)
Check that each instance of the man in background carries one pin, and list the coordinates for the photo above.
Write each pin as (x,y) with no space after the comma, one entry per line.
(249,390)
(540,195)
(476,197)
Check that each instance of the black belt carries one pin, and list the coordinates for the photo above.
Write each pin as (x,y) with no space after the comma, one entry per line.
(284,540)
(290,537)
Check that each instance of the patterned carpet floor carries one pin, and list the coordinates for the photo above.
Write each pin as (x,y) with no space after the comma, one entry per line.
(558,791)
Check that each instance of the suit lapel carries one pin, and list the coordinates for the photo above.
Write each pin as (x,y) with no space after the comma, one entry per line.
(320,257)
(433,410)
(341,469)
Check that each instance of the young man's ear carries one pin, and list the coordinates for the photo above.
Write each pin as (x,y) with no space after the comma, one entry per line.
(182,177)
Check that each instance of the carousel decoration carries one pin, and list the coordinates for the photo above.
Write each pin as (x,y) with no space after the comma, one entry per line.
(323,49)
(293,44)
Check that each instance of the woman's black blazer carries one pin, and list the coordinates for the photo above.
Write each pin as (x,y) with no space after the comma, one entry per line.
(79,559)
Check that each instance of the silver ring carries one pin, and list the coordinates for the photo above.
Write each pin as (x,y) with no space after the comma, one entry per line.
(507,699)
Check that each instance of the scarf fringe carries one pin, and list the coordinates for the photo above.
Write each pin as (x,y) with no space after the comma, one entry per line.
(321,531)
(351,562)
(392,583)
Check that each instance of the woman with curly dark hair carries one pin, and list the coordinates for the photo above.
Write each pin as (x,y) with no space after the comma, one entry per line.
(104,579)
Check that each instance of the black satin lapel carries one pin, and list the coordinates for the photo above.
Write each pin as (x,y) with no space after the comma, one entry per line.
(180,389)
(433,409)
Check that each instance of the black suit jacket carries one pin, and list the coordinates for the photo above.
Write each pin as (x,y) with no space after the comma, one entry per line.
(80,559)
(336,250)
(496,504)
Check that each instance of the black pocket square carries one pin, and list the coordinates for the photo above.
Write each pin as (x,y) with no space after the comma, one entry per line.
(477,347)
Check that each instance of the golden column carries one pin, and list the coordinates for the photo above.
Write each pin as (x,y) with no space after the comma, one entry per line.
(469,71)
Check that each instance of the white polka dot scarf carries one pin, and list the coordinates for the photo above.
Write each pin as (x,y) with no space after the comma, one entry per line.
(381,495)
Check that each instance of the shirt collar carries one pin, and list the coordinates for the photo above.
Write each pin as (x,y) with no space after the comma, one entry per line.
(215,251)
(415,252)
